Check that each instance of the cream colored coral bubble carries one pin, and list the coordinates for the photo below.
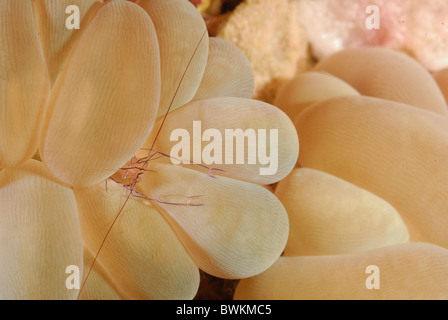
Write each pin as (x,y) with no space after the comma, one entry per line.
(142,256)
(100,285)
(229,113)
(228,72)
(98,116)
(307,88)
(393,150)
(183,42)
(57,40)
(331,216)
(100,111)
(40,235)
(407,271)
(386,74)
(237,230)
(24,82)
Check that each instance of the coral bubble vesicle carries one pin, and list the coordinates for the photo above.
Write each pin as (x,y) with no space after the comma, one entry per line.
(161,267)
(183,41)
(386,74)
(105,100)
(331,216)
(133,160)
(40,234)
(399,153)
(342,277)
(24,82)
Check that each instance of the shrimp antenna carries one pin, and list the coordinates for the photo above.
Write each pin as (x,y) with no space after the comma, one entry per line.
(145,164)
(102,243)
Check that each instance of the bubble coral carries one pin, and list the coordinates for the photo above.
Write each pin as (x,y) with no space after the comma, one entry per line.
(328,215)
(343,277)
(89,99)
(307,88)
(368,156)
(386,74)
(371,173)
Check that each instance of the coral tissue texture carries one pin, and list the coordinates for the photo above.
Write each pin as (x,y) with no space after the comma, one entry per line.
(369,188)
(417,27)
(270,34)
(94,206)
(102,101)
(370,184)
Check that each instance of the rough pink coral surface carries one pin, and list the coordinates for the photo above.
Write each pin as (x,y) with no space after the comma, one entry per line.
(415,26)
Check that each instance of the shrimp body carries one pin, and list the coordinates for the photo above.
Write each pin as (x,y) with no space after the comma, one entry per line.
(129,174)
